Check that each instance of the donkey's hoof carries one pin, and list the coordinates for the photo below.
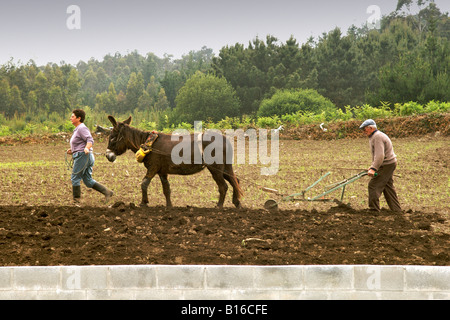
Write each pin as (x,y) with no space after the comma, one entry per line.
(143,205)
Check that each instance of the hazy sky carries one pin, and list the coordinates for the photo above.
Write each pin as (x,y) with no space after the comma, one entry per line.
(39,29)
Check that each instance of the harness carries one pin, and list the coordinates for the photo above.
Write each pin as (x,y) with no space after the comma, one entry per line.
(146,147)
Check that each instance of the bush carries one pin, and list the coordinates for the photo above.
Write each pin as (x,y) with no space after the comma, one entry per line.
(293,101)
(147,125)
(2,118)
(30,128)
(302,118)
(4,131)
(408,108)
(68,126)
(231,123)
(18,125)
(268,122)
(433,106)
(342,115)
(368,112)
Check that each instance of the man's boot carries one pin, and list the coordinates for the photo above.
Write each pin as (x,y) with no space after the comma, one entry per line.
(76,191)
(98,187)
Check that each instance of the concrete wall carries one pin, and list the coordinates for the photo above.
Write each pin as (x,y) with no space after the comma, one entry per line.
(203,282)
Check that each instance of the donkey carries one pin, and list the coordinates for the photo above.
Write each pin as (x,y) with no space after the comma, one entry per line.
(159,161)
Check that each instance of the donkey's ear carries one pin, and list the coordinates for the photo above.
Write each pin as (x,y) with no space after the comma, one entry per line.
(128,121)
(113,121)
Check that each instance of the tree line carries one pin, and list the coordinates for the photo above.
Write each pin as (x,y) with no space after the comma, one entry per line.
(406,59)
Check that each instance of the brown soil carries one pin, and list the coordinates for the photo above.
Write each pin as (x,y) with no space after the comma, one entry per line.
(38,228)
(126,234)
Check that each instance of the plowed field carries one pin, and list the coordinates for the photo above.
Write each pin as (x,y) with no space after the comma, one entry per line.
(39,225)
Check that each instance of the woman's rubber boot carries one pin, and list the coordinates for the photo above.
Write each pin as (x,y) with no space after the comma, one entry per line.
(76,191)
(108,193)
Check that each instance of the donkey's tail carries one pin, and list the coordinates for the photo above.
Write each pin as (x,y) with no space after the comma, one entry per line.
(234,181)
(238,187)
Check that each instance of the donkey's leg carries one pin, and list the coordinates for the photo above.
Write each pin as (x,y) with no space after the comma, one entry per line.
(231,178)
(144,186)
(217,173)
(166,189)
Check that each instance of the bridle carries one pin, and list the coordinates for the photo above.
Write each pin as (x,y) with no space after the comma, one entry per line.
(120,137)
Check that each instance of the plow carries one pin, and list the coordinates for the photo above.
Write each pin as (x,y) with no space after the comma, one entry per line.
(272,204)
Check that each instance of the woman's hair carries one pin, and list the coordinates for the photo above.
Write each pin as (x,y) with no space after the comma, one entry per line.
(79,114)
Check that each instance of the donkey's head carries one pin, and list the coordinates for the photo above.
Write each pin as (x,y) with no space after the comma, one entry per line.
(117,143)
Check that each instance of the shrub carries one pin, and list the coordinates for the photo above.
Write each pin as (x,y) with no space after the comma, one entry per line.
(4,131)
(18,124)
(268,122)
(343,115)
(368,112)
(147,125)
(408,108)
(68,126)
(30,128)
(292,101)
(433,106)
(302,118)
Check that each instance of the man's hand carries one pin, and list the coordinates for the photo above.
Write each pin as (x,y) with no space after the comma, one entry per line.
(371,172)
(69,151)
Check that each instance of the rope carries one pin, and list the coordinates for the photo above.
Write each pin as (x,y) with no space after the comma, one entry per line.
(69,164)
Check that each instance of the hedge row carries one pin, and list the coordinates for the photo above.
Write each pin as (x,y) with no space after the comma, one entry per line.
(395,127)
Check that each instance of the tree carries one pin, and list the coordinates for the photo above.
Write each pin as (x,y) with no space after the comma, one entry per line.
(418,70)
(205,97)
(194,61)
(5,97)
(16,103)
(421,19)
(258,71)
(172,83)
(111,99)
(107,100)
(145,101)
(411,78)
(31,102)
(102,79)
(73,87)
(135,88)
(42,91)
(153,88)
(251,71)
(56,101)
(89,87)
(338,74)
(121,102)
(162,103)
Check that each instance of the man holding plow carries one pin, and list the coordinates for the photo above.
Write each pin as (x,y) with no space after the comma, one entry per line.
(384,163)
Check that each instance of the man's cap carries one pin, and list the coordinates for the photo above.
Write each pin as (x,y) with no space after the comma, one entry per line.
(368,122)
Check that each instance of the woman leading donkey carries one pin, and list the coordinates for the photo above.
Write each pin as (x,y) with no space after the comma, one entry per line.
(83,159)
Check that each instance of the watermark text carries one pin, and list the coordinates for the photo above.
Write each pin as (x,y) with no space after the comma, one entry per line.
(212,146)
